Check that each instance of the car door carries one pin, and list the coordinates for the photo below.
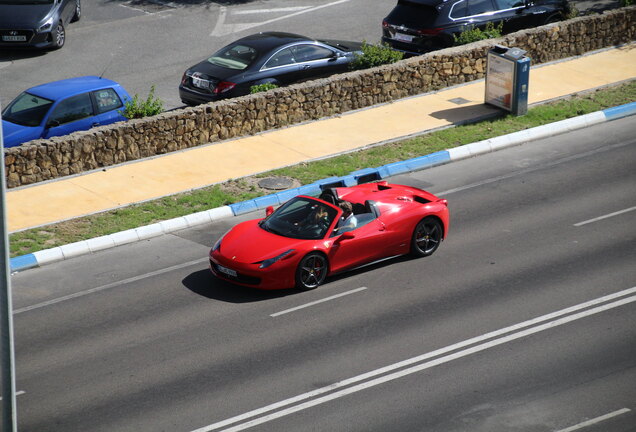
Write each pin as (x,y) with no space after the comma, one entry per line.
(367,245)
(317,61)
(67,10)
(281,66)
(107,105)
(69,115)
(512,14)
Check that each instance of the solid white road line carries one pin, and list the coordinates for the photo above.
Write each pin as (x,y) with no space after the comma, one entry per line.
(107,286)
(514,328)
(595,420)
(317,302)
(605,216)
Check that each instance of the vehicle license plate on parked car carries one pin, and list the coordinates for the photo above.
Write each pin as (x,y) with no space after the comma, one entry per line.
(14,38)
(402,37)
(201,83)
(227,271)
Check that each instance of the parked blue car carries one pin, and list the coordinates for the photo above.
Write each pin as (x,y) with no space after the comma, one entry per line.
(61,107)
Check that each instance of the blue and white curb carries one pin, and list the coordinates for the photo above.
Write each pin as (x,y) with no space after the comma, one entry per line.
(60,253)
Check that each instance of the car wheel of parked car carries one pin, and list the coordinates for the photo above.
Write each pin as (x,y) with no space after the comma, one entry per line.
(78,11)
(59,36)
(427,236)
(311,271)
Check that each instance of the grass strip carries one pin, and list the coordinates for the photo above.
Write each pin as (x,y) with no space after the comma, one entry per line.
(233,191)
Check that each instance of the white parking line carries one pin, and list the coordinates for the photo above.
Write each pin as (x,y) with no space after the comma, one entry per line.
(21,392)
(595,420)
(107,286)
(605,216)
(317,302)
(223,29)
(274,10)
(513,332)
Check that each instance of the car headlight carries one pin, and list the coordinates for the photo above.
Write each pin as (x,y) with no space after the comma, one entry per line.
(270,261)
(46,26)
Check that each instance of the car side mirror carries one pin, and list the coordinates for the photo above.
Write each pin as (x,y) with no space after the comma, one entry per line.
(269,210)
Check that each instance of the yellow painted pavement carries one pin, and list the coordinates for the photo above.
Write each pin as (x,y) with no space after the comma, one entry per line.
(147,179)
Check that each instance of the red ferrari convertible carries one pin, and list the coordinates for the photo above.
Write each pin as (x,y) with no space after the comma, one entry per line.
(307,239)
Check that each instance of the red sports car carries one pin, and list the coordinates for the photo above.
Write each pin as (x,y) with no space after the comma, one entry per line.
(307,239)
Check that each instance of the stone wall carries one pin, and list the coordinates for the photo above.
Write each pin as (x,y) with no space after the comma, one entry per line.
(175,130)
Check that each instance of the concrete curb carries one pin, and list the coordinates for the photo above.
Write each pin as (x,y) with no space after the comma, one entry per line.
(60,253)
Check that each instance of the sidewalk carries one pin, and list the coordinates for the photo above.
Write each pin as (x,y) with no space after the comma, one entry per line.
(147,179)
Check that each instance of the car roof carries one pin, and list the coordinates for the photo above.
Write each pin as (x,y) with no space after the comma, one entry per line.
(269,40)
(68,87)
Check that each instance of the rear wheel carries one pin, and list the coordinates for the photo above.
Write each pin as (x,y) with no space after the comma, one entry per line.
(78,11)
(426,237)
(311,271)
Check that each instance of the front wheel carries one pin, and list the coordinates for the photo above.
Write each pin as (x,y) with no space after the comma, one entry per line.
(59,36)
(426,237)
(311,271)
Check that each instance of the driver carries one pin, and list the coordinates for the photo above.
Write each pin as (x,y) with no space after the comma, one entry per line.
(348,221)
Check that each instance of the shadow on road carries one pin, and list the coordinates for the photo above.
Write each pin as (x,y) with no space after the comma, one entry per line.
(10,54)
(203,283)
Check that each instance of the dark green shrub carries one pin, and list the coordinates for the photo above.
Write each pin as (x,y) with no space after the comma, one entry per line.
(375,55)
(475,34)
(137,109)
(262,87)
(627,2)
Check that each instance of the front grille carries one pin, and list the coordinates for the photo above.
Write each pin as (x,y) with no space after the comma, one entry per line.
(16,36)
(240,278)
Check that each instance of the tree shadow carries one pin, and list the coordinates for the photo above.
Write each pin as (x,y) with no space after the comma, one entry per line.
(11,54)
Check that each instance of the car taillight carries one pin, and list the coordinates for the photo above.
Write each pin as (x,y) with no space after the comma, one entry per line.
(223,86)
(429,32)
(385,24)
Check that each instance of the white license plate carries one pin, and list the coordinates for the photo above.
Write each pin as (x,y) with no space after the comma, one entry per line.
(227,271)
(403,37)
(201,83)
(14,38)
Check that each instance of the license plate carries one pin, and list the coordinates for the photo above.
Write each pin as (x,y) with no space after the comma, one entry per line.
(403,37)
(201,83)
(14,38)
(227,271)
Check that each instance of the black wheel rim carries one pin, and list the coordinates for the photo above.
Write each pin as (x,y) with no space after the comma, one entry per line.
(428,236)
(313,271)
(59,35)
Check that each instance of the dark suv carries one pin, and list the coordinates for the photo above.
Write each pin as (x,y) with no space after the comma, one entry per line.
(419,26)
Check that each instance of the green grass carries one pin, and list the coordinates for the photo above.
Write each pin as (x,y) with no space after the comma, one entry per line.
(240,190)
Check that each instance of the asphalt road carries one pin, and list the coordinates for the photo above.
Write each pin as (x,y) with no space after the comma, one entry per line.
(141,43)
(524,320)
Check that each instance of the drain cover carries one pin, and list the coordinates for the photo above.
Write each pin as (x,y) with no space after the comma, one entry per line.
(459,101)
(275,183)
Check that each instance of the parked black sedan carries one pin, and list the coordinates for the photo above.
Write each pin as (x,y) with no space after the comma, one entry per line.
(419,26)
(270,57)
(36,23)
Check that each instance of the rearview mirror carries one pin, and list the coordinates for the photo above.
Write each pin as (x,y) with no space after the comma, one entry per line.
(269,210)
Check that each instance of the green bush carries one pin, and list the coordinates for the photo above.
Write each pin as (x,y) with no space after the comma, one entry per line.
(135,108)
(262,87)
(375,55)
(475,34)
(627,2)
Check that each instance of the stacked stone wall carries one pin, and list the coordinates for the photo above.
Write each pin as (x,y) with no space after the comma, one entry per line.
(175,130)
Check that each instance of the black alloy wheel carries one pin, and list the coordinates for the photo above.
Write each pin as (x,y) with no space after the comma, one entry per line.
(59,36)
(311,271)
(78,11)
(426,237)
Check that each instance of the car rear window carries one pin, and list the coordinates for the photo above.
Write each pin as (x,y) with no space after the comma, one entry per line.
(236,57)
(27,110)
(411,14)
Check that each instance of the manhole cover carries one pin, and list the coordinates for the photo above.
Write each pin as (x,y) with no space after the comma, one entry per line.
(459,101)
(275,183)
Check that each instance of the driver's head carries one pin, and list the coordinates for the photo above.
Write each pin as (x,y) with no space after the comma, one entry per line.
(346,207)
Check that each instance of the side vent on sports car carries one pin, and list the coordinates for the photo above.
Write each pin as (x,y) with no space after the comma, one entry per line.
(420,200)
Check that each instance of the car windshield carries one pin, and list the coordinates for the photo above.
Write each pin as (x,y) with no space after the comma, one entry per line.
(301,218)
(26,2)
(27,110)
(235,56)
